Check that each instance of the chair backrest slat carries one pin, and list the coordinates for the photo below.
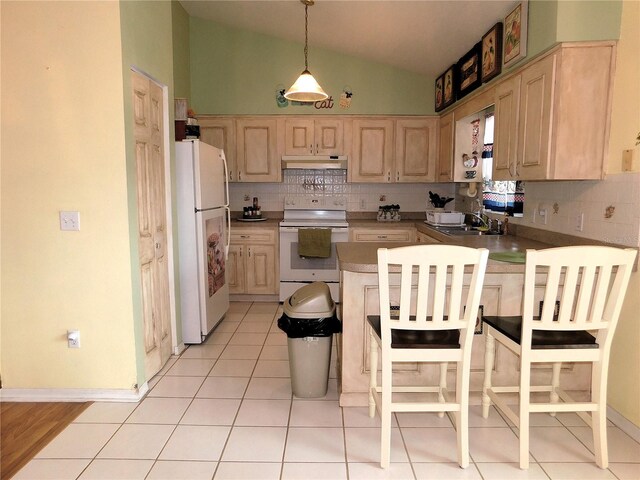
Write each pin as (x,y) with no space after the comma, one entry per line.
(588,281)
(432,282)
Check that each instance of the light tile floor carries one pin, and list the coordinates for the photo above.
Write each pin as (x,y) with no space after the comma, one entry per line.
(224,410)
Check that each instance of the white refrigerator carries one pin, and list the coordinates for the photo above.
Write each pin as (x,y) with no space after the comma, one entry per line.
(204,221)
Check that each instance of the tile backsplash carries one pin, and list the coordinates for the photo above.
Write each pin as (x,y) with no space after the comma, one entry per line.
(610,208)
(361,197)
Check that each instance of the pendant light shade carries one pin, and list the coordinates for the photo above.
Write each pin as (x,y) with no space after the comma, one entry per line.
(306,89)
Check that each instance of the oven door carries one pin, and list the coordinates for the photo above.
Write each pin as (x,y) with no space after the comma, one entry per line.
(294,268)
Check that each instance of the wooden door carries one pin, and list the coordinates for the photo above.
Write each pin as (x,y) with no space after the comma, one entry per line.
(149,135)
(445,148)
(257,150)
(299,136)
(536,95)
(416,152)
(261,269)
(235,269)
(221,133)
(372,159)
(329,136)
(505,132)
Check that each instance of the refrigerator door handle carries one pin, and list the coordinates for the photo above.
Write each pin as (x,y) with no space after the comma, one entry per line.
(226,179)
(226,250)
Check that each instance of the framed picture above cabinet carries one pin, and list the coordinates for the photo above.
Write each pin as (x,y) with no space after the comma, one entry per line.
(492,52)
(468,71)
(445,91)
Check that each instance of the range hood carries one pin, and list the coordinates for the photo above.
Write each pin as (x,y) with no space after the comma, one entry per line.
(315,162)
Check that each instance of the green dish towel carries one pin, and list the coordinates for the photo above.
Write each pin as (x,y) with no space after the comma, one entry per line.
(314,242)
(511,257)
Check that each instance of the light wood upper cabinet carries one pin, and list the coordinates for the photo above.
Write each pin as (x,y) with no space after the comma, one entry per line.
(563,115)
(445,148)
(305,136)
(393,149)
(416,149)
(372,150)
(505,129)
(221,133)
(258,157)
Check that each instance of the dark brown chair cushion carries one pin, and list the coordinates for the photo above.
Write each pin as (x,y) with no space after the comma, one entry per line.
(418,338)
(511,327)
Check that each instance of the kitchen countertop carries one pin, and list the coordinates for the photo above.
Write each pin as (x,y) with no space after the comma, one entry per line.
(361,257)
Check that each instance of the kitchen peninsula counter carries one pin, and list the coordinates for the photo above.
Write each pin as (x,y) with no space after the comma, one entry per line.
(501,295)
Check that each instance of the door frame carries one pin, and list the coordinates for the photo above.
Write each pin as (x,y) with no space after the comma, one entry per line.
(176,349)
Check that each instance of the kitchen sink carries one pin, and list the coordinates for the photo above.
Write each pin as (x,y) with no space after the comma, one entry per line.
(462,231)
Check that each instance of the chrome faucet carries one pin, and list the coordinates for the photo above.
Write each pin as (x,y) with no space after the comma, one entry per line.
(483,218)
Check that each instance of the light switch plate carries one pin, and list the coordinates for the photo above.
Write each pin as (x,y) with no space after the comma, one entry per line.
(70,221)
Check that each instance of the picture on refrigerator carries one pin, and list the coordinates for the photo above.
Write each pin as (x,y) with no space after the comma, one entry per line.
(215,254)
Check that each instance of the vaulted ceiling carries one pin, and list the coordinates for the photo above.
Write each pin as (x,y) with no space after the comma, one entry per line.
(423,36)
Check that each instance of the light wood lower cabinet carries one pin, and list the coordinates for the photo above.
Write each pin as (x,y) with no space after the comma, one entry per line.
(424,238)
(381,234)
(252,265)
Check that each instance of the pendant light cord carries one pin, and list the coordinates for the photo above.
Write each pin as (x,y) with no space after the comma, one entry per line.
(306,34)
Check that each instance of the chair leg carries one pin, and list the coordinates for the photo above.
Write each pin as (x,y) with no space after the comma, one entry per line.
(489,357)
(462,416)
(385,414)
(525,387)
(443,385)
(599,417)
(555,383)
(373,367)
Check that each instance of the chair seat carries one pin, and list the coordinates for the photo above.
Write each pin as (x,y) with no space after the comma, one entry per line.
(418,338)
(511,327)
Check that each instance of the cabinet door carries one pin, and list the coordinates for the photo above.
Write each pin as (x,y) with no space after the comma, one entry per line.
(299,136)
(416,150)
(221,133)
(505,136)
(445,149)
(424,238)
(329,137)
(257,150)
(372,158)
(235,269)
(261,269)
(536,91)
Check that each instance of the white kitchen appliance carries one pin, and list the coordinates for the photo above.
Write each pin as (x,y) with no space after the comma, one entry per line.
(203,237)
(311,212)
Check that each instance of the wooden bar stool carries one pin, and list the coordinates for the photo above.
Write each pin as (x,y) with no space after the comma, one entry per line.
(439,294)
(574,291)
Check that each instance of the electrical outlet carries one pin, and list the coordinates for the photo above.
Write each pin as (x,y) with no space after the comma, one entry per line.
(580,221)
(70,221)
(543,215)
(73,338)
(363,204)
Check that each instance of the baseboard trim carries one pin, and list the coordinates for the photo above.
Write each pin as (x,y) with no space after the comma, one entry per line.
(178,349)
(623,424)
(72,394)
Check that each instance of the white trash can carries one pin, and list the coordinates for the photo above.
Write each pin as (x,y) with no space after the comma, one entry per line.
(309,320)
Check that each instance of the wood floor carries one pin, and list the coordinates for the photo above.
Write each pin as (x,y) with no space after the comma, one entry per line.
(26,428)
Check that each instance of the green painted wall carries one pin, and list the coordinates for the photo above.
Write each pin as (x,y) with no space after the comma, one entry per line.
(238,72)
(181,51)
(146,29)
(589,20)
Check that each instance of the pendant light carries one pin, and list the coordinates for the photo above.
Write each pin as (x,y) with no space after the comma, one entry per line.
(306,89)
